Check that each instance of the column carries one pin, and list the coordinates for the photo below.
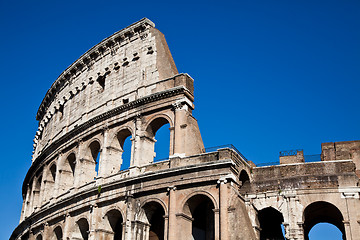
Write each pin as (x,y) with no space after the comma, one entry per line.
(172,231)
(180,128)
(223,196)
(103,162)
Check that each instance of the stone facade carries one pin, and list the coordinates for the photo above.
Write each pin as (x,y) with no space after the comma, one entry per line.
(128,86)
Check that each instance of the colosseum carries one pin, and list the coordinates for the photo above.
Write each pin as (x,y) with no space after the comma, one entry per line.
(128,86)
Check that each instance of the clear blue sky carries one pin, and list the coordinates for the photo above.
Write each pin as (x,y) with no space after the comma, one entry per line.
(269,75)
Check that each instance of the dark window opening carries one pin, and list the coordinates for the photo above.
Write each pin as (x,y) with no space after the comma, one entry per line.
(53,172)
(116,221)
(101,81)
(58,233)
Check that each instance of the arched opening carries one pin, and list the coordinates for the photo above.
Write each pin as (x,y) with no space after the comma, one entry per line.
(119,156)
(57,235)
(53,172)
(162,145)
(244,182)
(199,221)
(126,154)
(115,222)
(36,192)
(322,212)
(50,182)
(325,231)
(81,229)
(67,173)
(271,221)
(155,218)
(159,139)
(71,161)
(95,155)
(39,237)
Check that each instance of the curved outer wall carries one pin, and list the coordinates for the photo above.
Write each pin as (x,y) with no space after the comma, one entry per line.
(128,86)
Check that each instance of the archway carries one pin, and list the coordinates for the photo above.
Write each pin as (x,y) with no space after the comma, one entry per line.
(57,234)
(159,139)
(199,220)
(155,213)
(322,212)
(67,173)
(50,182)
(81,229)
(94,148)
(119,156)
(270,221)
(37,191)
(244,182)
(115,223)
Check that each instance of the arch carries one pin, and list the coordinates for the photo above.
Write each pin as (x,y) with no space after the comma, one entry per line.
(271,221)
(94,149)
(69,164)
(81,230)
(200,192)
(163,146)
(36,199)
(322,212)
(199,219)
(155,213)
(161,115)
(159,201)
(114,223)
(67,173)
(116,160)
(244,181)
(57,233)
(49,182)
(52,170)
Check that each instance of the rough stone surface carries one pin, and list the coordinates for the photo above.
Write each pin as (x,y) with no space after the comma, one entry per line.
(128,85)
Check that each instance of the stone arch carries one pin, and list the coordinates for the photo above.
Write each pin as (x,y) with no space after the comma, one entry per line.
(36,190)
(113,224)
(92,160)
(50,180)
(81,229)
(152,220)
(116,149)
(67,170)
(270,221)
(159,116)
(152,126)
(157,200)
(320,212)
(198,218)
(244,181)
(52,171)
(199,192)
(57,233)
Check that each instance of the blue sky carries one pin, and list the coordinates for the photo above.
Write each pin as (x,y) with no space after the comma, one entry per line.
(269,75)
